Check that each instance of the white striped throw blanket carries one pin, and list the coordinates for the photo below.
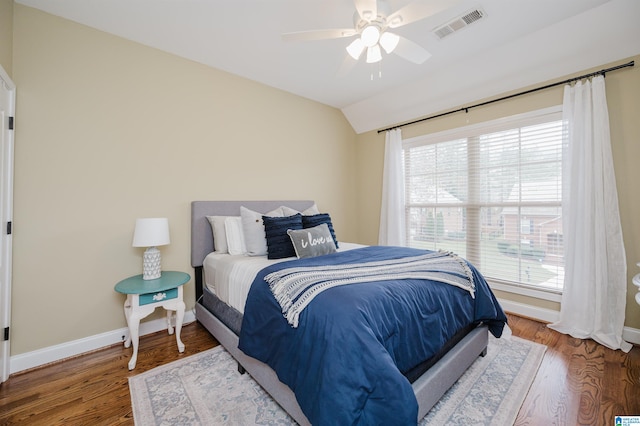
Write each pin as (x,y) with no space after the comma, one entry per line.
(295,288)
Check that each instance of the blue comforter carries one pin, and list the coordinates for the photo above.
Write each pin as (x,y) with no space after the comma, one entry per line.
(345,360)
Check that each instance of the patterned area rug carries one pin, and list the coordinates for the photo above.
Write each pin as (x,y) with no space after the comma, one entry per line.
(206,389)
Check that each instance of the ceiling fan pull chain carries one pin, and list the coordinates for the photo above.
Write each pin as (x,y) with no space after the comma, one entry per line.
(379,72)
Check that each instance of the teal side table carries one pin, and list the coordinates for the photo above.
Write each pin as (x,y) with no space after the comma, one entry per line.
(144,296)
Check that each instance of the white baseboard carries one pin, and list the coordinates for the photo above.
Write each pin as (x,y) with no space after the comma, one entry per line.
(529,311)
(59,352)
(631,335)
(66,350)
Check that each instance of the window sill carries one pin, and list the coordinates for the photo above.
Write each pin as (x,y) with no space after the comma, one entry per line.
(553,296)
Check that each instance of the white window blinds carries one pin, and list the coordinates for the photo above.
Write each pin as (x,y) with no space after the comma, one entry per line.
(493,194)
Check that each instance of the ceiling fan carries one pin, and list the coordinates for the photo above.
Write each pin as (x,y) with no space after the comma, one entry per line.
(372,21)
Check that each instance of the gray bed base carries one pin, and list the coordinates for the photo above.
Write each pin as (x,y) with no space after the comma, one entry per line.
(428,388)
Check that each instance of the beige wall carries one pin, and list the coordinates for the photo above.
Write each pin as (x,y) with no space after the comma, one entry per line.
(109,131)
(623,98)
(6,35)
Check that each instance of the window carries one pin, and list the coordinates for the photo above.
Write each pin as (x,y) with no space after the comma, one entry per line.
(493,194)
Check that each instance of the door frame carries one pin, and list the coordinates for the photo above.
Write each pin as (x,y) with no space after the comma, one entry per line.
(6,217)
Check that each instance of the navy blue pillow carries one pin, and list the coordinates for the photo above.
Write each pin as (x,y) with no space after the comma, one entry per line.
(279,244)
(318,219)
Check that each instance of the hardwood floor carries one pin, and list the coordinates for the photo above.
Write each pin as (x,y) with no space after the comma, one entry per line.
(91,389)
(578,383)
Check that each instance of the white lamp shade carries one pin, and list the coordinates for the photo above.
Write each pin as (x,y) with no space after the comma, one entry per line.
(356,48)
(389,41)
(151,232)
(373,54)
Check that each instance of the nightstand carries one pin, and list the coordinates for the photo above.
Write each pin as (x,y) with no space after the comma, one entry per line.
(144,296)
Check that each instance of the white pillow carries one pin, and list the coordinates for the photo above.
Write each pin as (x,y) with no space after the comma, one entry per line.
(255,239)
(235,238)
(288,211)
(219,233)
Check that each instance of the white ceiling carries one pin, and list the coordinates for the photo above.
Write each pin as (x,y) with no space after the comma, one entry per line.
(519,43)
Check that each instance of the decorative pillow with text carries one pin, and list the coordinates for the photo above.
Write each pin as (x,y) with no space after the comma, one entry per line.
(312,242)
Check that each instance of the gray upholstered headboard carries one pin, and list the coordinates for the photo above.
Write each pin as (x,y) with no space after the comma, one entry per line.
(201,235)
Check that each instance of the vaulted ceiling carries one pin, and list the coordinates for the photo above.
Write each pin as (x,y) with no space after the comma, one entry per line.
(516,43)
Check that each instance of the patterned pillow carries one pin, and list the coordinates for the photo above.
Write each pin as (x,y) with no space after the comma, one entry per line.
(312,242)
(317,219)
(278,242)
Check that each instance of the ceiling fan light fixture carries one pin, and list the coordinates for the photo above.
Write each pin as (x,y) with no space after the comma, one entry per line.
(371,20)
(389,41)
(355,48)
(370,36)
(373,54)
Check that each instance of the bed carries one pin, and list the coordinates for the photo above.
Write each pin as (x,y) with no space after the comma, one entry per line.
(232,326)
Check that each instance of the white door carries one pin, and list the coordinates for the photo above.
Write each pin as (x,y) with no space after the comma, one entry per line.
(7,109)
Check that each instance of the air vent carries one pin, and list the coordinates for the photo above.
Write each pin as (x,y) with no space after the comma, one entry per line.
(459,23)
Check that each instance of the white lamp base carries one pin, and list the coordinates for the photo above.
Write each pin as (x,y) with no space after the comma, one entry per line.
(151,261)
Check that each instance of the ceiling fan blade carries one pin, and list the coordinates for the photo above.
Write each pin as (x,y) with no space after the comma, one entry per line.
(411,51)
(367,9)
(318,34)
(416,11)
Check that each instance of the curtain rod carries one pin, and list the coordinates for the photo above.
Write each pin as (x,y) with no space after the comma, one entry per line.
(526,92)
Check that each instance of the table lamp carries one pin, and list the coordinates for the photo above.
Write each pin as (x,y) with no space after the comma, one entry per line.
(150,233)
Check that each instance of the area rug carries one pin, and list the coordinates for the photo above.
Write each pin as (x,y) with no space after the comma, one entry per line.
(206,389)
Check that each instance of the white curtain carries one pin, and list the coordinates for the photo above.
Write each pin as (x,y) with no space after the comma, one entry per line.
(392,216)
(594,295)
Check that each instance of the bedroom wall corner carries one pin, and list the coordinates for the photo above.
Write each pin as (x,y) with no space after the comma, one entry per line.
(370,163)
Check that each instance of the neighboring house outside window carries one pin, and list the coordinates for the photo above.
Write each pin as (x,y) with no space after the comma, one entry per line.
(493,194)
